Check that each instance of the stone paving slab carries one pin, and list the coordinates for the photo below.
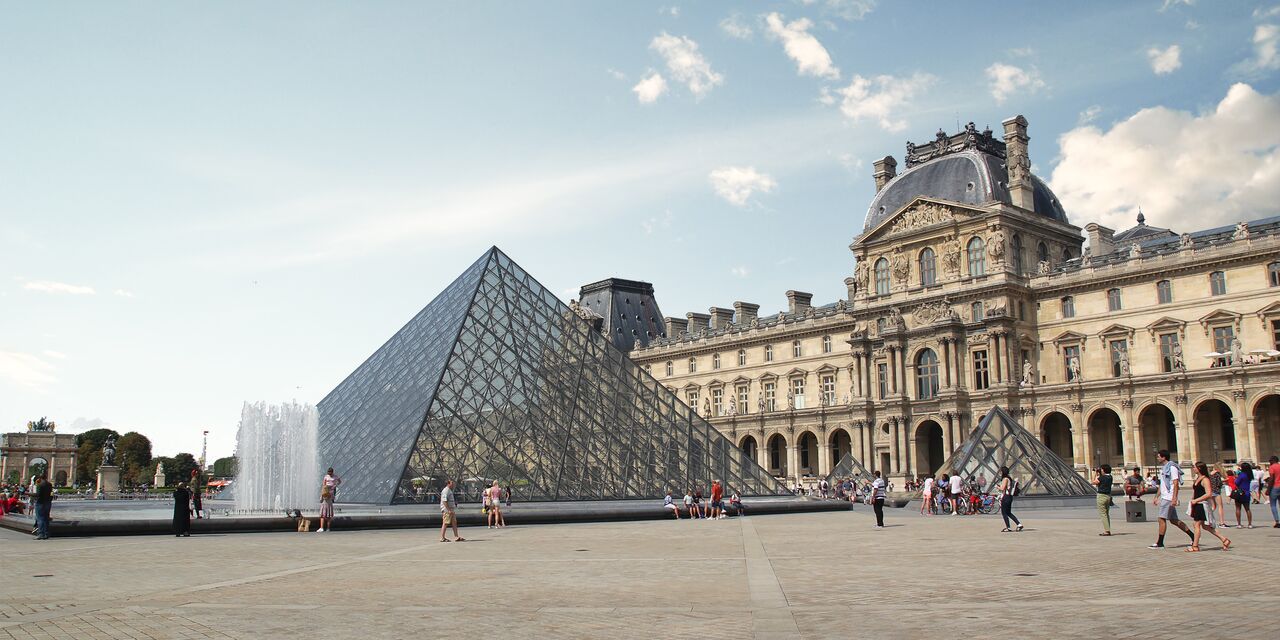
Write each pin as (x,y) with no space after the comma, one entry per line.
(818,575)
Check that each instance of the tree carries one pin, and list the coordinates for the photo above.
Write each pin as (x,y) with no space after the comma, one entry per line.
(89,452)
(179,469)
(225,467)
(167,465)
(133,453)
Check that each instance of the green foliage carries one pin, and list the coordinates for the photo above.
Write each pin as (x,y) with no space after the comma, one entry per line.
(89,451)
(179,469)
(133,454)
(225,467)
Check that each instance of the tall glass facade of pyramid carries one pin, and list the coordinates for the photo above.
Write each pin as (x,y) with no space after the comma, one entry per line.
(497,379)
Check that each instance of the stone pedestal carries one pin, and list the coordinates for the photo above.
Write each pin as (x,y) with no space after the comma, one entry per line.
(108,479)
(158,481)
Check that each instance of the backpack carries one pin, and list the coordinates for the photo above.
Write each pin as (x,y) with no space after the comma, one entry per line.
(1017,488)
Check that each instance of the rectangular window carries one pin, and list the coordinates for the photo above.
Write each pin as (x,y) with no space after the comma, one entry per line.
(975,311)
(1218,283)
(882,379)
(1275,335)
(717,402)
(1119,350)
(691,399)
(1068,307)
(770,396)
(981,371)
(1168,346)
(768,353)
(797,392)
(743,407)
(1113,299)
(1164,292)
(1070,362)
(829,390)
(1222,338)
(1022,310)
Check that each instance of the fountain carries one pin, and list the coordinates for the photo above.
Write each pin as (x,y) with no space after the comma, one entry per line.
(278,462)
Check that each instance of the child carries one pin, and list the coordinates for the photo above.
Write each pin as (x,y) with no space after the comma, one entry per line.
(326,510)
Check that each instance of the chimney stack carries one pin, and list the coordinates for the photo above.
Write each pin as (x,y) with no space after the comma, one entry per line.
(721,318)
(698,321)
(885,170)
(676,327)
(798,301)
(1101,239)
(1018,162)
(746,312)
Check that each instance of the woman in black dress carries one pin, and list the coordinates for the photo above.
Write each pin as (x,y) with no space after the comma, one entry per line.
(182,511)
(1201,498)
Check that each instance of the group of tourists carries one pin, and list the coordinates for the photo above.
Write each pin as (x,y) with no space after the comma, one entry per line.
(715,509)
(950,493)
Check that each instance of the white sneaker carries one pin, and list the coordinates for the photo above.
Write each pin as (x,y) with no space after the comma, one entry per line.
(319,530)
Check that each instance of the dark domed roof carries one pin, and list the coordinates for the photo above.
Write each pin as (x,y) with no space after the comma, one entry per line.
(969,176)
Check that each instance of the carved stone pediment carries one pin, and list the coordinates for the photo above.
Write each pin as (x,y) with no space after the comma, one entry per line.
(932,312)
(921,214)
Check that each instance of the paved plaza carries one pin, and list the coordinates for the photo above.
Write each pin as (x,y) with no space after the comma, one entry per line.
(819,575)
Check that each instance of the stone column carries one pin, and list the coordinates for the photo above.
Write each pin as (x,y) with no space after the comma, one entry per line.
(947,440)
(762,453)
(1139,446)
(946,360)
(793,467)
(52,468)
(1184,431)
(4,468)
(1131,452)
(71,476)
(1079,437)
(999,357)
(900,427)
(1246,443)
(824,459)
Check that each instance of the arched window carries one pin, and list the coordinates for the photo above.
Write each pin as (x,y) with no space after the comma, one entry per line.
(693,365)
(826,344)
(926,375)
(742,357)
(1164,292)
(975,310)
(768,353)
(928,268)
(796,351)
(1068,307)
(1017,254)
(1218,283)
(1042,253)
(977,257)
(882,277)
(715,361)
(1068,254)
(670,371)
(1113,299)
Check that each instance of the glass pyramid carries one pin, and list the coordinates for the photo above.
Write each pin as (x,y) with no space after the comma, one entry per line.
(849,467)
(497,379)
(1000,441)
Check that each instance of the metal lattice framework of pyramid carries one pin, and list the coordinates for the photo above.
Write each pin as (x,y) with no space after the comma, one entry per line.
(1000,441)
(497,379)
(850,467)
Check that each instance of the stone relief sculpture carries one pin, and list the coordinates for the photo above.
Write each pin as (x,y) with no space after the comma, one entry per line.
(1135,250)
(1086,258)
(733,407)
(951,256)
(921,215)
(1124,362)
(847,397)
(760,402)
(1185,241)
(1073,366)
(901,266)
(995,246)
(1178,363)
(1019,166)
(1027,373)
(1242,231)
(860,274)
(1043,268)
(1237,352)
(895,319)
(791,400)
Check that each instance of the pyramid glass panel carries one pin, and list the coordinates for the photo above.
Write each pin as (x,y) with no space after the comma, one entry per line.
(850,467)
(1000,441)
(517,388)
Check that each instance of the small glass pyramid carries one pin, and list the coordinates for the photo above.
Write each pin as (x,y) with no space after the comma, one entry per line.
(999,441)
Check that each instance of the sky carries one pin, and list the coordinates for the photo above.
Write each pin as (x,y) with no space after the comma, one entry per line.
(203,204)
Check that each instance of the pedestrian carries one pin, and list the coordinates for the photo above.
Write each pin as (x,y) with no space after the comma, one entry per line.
(1008,488)
(957,487)
(697,502)
(669,504)
(197,502)
(717,497)
(736,501)
(1201,496)
(1216,482)
(1102,480)
(448,513)
(926,505)
(1133,485)
(43,506)
(1273,481)
(1243,494)
(688,504)
(1166,498)
(182,511)
(1257,485)
(877,499)
(495,506)
(331,480)
(326,510)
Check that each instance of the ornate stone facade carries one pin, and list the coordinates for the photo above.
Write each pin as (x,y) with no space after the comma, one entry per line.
(1100,355)
(19,452)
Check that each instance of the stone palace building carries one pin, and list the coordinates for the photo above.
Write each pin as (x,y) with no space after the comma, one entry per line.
(971,289)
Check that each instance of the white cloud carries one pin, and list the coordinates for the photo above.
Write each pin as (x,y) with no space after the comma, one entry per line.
(825,97)
(1007,80)
(737,184)
(48,286)
(123,293)
(25,370)
(810,56)
(1021,52)
(734,27)
(1262,13)
(651,88)
(686,63)
(1170,3)
(674,12)
(740,271)
(882,98)
(1088,115)
(56,355)
(1266,49)
(846,9)
(1165,61)
(1192,25)
(1187,171)
(617,75)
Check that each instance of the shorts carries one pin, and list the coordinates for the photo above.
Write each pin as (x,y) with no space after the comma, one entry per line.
(717,504)
(1166,510)
(448,517)
(671,507)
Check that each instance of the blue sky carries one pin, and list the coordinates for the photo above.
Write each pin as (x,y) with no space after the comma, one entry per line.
(202,204)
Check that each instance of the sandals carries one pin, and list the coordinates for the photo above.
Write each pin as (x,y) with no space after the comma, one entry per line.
(1193,549)
(1226,544)
(1006,530)
(459,539)
(445,540)
(1105,534)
